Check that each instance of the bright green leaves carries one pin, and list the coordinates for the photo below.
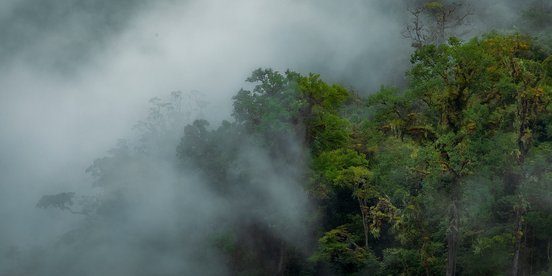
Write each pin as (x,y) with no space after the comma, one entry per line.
(343,168)
(328,131)
(318,94)
(382,212)
(325,129)
(340,248)
(434,6)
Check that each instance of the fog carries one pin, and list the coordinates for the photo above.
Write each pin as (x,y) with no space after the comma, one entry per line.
(76,77)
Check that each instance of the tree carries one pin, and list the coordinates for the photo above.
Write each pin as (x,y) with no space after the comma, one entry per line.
(434,21)
(450,109)
(289,104)
(345,168)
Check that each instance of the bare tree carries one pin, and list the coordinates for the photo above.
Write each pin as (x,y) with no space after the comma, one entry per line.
(434,21)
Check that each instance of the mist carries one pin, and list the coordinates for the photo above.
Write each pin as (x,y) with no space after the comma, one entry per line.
(77,77)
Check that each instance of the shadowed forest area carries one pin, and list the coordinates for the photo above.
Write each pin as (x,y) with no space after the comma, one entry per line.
(445,171)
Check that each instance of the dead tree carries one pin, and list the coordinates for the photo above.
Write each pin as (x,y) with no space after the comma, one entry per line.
(433,22)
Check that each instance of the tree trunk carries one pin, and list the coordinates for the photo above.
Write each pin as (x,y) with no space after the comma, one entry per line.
(517,248)
(548,251)
(452,238)
(364,214)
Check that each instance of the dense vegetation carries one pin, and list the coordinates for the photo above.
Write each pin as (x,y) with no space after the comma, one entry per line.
(449,175)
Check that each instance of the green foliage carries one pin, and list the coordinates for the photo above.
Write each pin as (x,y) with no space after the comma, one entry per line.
(434,6)
(339,248)
(400,261)
(325,130)
(460,159)
(490,255)
(210,150)
(321,95)
(291,104)
(272,106)
(342,166)
(464,149)
(328,132)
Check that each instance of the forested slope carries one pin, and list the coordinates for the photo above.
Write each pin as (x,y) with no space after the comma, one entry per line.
(449,175)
